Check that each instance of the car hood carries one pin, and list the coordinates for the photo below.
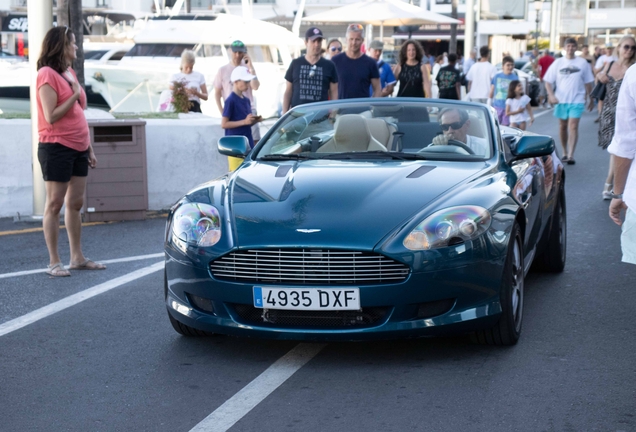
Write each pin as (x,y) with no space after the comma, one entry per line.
(333,203)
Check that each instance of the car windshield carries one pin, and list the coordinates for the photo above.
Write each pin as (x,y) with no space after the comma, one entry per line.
(381,129)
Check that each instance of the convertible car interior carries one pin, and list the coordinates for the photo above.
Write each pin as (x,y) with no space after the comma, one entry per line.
(402,127)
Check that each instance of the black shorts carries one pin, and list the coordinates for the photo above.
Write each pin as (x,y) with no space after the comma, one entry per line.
(59,163)
(195,106)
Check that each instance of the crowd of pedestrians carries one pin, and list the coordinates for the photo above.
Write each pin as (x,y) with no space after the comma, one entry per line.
(65,152)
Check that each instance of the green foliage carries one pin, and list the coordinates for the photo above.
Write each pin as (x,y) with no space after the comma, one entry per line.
(180,100)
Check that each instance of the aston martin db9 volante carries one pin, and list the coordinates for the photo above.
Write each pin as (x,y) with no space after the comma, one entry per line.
(369,218)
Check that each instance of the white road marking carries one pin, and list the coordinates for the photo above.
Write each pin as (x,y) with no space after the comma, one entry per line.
(112,261)
(67,302)
(235,408)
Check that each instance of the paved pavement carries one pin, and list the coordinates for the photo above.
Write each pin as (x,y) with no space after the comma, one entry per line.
(95,352)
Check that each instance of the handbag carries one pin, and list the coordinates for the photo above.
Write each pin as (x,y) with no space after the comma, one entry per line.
(599,90)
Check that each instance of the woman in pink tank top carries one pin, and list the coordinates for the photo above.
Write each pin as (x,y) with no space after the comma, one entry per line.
(64,150)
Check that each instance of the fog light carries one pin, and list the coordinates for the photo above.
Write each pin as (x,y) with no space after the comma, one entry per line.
(201,303)
(181,308)
(434,308)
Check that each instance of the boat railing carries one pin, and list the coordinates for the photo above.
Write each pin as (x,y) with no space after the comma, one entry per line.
(133,91)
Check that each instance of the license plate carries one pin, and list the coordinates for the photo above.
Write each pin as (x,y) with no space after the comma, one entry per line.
(307,299)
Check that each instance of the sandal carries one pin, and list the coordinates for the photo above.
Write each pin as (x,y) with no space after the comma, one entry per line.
(86,265)
(607,191)
(57,270)
(571,161)
(565,159)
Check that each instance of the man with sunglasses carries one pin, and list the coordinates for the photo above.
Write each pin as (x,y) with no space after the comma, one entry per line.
(454,123)
(356,71)
(310,78)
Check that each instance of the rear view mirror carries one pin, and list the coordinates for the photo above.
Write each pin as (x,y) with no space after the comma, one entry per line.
(530,146)
(235,146)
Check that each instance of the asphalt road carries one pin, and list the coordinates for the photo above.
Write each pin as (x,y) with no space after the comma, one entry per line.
(112,362)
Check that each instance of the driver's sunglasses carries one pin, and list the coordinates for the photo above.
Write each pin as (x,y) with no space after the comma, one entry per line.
(455,125)
(334,49)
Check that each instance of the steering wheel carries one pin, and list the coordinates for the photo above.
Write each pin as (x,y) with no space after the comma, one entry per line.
(456,143)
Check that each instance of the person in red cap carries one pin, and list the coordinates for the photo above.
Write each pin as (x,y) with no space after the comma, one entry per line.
(311,78)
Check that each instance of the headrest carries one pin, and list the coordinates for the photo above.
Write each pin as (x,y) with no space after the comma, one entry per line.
(379,129)
(351,133)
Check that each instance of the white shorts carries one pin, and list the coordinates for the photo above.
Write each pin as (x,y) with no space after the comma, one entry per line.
(628,237)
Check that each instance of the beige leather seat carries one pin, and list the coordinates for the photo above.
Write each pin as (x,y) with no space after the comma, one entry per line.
(381,131)
(476,127)
(351,135)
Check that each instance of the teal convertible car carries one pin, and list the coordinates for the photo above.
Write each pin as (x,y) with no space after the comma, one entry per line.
(369,218)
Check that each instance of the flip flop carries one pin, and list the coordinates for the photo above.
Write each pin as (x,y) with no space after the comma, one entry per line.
(565,159)
(57,270)
(571,161)
(86,265)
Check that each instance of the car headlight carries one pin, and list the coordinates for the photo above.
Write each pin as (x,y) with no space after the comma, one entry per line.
(447,226)
(197,223)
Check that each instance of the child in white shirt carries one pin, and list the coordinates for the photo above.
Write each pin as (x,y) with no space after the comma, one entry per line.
(518,106)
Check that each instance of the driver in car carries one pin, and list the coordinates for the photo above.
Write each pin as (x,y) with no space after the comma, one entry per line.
(455,123)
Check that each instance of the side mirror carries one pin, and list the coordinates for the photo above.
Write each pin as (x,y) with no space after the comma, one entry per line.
(530,146)
(235,146)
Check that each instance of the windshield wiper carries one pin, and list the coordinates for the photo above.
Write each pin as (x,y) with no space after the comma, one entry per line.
(377,154)
(291,156)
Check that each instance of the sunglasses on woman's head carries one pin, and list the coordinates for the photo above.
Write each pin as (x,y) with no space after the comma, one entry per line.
(66,30)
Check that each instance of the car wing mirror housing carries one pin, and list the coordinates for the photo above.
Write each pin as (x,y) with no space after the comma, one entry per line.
(530,146)
(235,146)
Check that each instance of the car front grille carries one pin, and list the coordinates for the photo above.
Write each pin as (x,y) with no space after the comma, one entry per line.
(367,317)
(308,267)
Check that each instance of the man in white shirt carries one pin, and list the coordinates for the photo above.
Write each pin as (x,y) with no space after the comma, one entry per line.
(605,58)
(479,77)
(573,79)
(623,150)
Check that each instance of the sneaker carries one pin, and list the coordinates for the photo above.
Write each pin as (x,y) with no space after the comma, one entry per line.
(607,191)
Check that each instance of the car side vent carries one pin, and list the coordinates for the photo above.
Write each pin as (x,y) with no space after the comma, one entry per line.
(283,170)
(420,171)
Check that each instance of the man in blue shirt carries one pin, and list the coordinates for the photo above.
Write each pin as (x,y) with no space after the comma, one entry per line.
(356,71)
(387,79)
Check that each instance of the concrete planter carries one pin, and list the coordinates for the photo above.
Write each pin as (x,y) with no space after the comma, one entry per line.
(180,154)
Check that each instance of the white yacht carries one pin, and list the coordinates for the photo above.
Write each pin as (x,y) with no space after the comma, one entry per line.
(135,82)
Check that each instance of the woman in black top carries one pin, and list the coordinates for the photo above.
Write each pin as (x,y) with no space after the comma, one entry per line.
(411,73)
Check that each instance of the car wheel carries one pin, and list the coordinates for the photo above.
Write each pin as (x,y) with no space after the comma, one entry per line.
(553,257)
(508,329)
(186,330)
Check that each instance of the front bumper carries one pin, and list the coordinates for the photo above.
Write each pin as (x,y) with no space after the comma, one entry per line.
(469,296)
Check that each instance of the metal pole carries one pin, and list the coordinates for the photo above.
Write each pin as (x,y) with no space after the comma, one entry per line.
(554,11)
(536,35)
(40,16)
(469,28)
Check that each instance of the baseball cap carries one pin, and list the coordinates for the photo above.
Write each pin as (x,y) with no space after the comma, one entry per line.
(238,46)
(240,73)
(376,45)
(313,33)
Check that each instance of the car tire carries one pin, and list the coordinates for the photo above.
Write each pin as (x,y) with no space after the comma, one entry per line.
(552,259)
(508,329)
(186,330)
